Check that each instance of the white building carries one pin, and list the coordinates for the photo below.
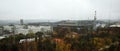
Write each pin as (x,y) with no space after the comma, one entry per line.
(23,31)
(8,28)
(27,29)
(46,28)
(1,37)
(19,26)
(116,25)
(103,25)
(35,29)
(27,40)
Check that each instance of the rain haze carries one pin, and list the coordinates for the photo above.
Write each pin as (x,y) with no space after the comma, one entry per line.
(59,25)
(59,9)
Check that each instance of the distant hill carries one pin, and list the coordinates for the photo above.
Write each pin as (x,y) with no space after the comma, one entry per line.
(8,22)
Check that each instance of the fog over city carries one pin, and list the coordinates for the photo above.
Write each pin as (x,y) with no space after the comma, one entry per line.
(59,9)
(59,25)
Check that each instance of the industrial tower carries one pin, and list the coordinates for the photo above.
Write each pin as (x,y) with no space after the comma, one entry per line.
(94,22)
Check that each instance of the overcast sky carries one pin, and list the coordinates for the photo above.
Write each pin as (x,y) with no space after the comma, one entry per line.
(59,9)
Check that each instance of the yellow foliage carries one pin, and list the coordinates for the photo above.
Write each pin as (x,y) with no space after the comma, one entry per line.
(63,46)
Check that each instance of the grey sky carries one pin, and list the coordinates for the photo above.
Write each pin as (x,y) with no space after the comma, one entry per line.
(59,9)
